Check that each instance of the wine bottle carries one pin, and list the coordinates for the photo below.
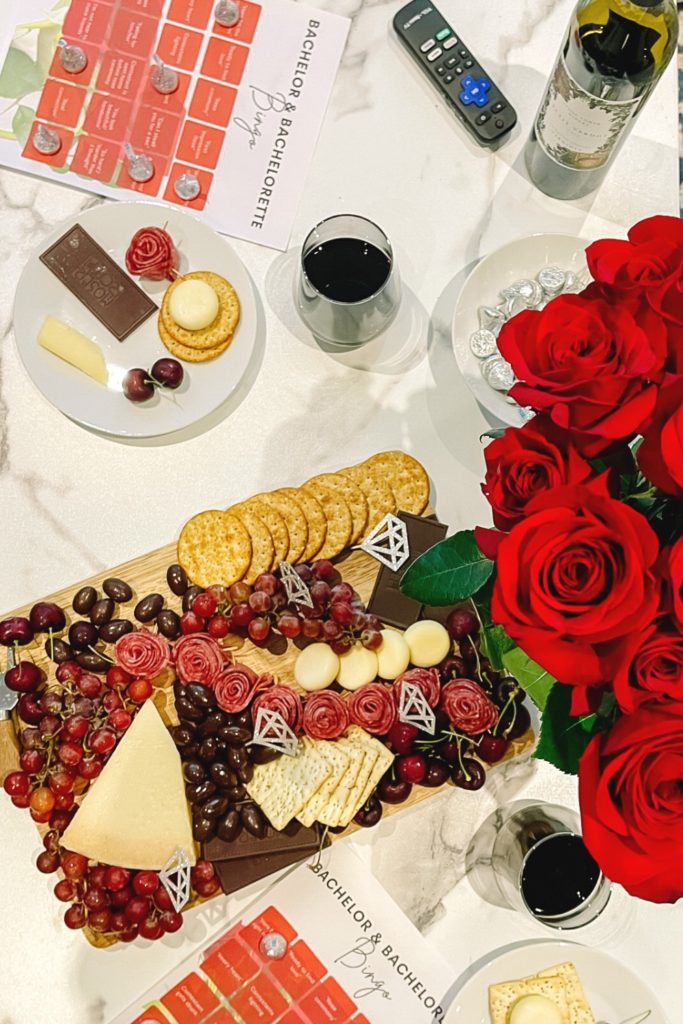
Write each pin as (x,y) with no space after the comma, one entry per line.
(613,55)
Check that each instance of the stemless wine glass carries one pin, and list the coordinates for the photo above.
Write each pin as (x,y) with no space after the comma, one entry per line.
(543,868)
(348,289)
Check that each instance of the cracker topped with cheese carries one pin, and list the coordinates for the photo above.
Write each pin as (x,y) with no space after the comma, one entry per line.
(554,995)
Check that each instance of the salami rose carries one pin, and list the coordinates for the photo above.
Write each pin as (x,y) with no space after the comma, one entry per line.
(326,716)
(234,687)
(142,653)
(285,701)
(468,707)
(199,658)
(372,708)
(152,254)
(427,679)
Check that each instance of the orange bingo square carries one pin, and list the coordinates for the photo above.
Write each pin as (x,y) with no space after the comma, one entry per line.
(294,1017)
(61,103)
(95,158)
(200,145)
(190,1001)
(245,29)
(213,102)
(328,1003)
(133,33)
(87,21)
(152,1015)
(196,13)
(147,188)
(155,131)
(83,77)
(121,74)
(259,1002)
(204,177)
(57,159)
(108,117)
(173,100)
(221,1016)
(360,1019)
(271,920)
(153,7)
(298,971)
(179,47)
(230,966)
(225,60)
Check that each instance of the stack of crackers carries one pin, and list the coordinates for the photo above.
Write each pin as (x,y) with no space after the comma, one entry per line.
(328,781)
(329,513)
(561,984)
(204,345)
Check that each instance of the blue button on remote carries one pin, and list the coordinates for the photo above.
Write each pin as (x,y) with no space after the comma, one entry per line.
(467,82)
(484,84)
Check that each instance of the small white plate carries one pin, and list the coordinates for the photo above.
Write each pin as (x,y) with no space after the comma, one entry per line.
(206,385)
(614,992)
(522,258)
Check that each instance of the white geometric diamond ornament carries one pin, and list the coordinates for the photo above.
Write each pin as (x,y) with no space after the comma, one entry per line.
(388,542)
(271,730)
(175,878)
(295,588)
(414,709)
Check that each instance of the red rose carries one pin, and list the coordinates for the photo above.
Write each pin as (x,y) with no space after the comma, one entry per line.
(468,706)
(672,559)
(667,302)
(632,801)
(574,577)
(652,255)
(660,456)
(588,364)
(652,667)
(524,463)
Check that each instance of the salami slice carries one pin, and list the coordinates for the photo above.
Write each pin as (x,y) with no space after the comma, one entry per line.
(326,716)
(285,701)
(372,707)
(199,658)
(142,653)
(152,254)
(427,679)
(234,686)
(468,706)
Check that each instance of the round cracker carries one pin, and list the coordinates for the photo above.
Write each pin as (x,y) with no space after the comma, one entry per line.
(222,327)
(352,495)
(408,479)
(277,527)
(293,515)
(190,355)
(214,547)
(262,547)
(315,520)
(379,495)
(338,515)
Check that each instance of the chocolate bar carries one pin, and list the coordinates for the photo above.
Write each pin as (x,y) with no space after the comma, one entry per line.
(387,601)
(82,265)
(248,859)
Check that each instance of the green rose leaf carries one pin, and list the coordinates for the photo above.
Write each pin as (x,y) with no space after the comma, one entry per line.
(533,679)
(451,571)
(496,644)
(20,76)
(563,738)
(21,123)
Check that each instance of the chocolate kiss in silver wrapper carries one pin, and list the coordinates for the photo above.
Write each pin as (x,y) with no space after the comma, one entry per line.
(498,373)
(491,319)
(227,13)
(483,343)
(187,186)
(552,280)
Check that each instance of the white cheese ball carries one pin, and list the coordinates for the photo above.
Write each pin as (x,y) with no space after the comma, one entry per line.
(429,643)
(535,1009)
(393,654)
(193,304)
(357,667)
(316,667)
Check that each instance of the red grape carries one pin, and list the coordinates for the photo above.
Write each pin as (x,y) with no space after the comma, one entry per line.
(42,800)
(260,601)
(74,917)
(371,639)
(267,583)
(75,726)
(190,622)
(120,719)
(145,883)
(61,782)
(74,865)
(59,820)
(65,890)
(312,628)
(203,871)
(64,801)
(111,701)
(32,739)
(117,879)
(342,592)
(205,604)
(118,921)
(47,862)
(120,898)
(171,921)
(137,909)
(21,801)
(323,569)
(40,817)
(31,761)
(95,898)
(49,725)
(218,627)
(320,592)
(162,901)
(332,630)
(137,386)
(68,670)
(239,593)
(340,646)
(151,928)
(304,571)
(51,702)
(128,934)
(118,677)
(90,768)
(139,691)
(100,920)
(70,753)
(207,887)
(97,876)
(89,685)
(289,625)
(342,613)
(102,741)
(259,629)
(241,615)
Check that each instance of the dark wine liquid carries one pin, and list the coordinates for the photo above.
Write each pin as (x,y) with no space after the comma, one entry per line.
(559,876)
(347,269)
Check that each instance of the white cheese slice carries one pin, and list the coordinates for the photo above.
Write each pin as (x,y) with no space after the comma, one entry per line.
(73,347)
(135,815)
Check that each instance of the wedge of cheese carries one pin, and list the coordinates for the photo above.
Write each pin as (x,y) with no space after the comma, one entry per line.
(135,815)
(71,346)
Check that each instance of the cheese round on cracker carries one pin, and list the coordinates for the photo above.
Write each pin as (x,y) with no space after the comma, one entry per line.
(193,304)
(535,1009)
(357,667)
(316,667)
(428,641)
(393,654)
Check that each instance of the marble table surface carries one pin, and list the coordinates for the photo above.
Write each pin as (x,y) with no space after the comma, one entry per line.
(73,503)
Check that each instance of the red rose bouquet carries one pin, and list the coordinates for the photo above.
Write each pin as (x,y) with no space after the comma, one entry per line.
(580,583)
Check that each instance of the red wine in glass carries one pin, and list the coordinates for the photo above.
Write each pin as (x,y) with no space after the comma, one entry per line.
(559,876)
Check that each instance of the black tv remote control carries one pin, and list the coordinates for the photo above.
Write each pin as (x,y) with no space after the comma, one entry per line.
(454,70)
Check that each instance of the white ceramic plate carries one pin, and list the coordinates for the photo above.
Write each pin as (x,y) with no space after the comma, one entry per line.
(613,991)
(206,385)
(519,259)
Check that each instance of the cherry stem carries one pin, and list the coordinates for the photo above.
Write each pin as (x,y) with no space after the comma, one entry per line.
(52,644)
(467,775)
(101,654)
(510,700)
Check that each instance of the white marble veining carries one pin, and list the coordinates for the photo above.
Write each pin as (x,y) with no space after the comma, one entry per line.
(73,503)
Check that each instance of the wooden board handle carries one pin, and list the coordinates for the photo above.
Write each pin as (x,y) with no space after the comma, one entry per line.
(9,749)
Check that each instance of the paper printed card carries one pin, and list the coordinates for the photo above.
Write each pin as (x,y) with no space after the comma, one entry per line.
(243,119)
(346,955)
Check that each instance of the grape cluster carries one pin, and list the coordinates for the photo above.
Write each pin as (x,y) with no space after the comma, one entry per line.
(218,763)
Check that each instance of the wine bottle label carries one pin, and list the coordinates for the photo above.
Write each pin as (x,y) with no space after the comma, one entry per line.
(578,129)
